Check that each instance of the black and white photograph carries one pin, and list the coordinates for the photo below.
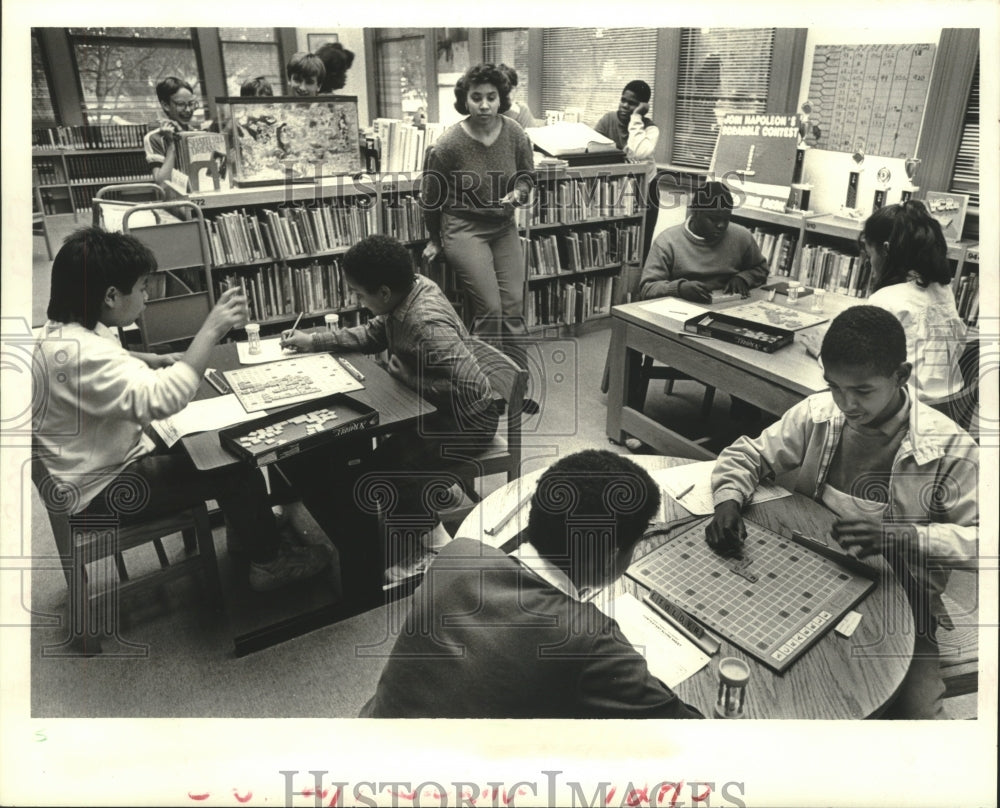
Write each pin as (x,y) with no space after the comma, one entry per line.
(550,406)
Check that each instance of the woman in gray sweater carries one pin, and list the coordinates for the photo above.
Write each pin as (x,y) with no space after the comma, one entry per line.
(477,173)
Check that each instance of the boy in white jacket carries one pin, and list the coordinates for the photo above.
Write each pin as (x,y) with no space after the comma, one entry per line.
(901,476)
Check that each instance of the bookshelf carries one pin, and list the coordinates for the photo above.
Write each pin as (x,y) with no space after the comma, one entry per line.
(70,163)
(284,244)
(583,229)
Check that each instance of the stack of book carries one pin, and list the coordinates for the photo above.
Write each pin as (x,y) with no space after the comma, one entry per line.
(402,145)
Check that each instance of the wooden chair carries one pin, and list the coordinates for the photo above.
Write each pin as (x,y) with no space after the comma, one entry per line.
(38,219)
(503,456)
(86,540)
(963,407)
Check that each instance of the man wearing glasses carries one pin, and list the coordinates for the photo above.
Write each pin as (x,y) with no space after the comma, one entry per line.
(179,103)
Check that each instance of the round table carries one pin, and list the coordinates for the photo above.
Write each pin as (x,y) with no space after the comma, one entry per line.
(837,678)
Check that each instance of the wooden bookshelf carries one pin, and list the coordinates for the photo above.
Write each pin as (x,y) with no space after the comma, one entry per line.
(70,163)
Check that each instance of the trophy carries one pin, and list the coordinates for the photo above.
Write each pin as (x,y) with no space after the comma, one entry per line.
(882,188)
(910,165)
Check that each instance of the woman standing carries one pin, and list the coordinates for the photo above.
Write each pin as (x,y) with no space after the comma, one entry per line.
(477,173)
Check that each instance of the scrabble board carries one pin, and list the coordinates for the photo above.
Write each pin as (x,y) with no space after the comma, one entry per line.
(296,429)
(774,603)
(291,381)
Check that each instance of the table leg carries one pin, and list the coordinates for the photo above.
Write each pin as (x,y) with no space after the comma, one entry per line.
(623,379)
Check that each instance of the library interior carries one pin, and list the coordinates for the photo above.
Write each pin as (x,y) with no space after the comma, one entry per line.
(459,345)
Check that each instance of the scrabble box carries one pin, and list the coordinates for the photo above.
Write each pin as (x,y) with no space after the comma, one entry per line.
(297,429)
(760,337)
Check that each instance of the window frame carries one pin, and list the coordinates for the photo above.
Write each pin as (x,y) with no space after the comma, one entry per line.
(277,42)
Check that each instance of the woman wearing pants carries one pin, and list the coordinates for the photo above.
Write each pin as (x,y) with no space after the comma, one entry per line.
(477,173)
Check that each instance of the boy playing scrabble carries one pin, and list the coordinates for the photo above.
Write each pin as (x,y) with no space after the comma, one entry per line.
(428,352)
(901,476)
(89,417)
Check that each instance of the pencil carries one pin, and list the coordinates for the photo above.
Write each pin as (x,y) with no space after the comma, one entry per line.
(297,319)
(685,492)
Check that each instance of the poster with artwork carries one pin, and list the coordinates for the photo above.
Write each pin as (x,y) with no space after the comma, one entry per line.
(283,139)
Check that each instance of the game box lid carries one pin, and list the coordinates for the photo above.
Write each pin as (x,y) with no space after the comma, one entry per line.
(297,429)
(760,337)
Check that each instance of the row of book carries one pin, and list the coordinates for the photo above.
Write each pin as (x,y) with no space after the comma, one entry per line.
(93,170)
(281,290)
(239,237)
(578,200)
(778,249)
(402,217)
(401,145)
(581,250)
(569,303)
(967,298)
(89,136)
(834,271)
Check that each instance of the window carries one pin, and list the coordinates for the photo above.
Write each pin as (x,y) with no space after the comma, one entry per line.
(722,70)
(509,47)
(251,52)
(586,68)
(42,112)
(401,71)
(965,179)
(119,68)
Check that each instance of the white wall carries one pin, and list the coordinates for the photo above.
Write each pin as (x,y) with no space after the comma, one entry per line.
(827,171)
(352,39)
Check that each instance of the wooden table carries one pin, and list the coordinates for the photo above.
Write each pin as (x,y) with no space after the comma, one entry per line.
(773,382)
(398,406)
(837,678)
(261,621)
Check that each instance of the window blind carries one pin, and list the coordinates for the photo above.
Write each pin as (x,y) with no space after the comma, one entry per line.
(587,68)
(965,179)
(722,70)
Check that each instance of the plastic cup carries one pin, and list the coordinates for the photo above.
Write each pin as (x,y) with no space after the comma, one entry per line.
(793,292)
(332,322)
(253,337)
(819,298)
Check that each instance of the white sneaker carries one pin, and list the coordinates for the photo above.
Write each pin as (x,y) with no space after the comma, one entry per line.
(410,568)
(292,564)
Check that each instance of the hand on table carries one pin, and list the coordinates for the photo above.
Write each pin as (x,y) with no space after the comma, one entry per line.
(726,532)
(156,361)
(695,291)
(868,536)
(296,340)
(399,371)
(812,340)
(738,286)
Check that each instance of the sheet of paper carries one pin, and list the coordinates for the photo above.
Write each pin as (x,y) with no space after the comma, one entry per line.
(201,416)
(270,351)
(675,309)
(671,656)
(675,480)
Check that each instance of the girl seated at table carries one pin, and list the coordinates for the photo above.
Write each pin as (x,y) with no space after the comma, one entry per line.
(910,278)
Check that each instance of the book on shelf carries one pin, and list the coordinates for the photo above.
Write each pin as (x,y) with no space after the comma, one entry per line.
(570,302)
(280,290)
(402,145)
(89,136)
(967,298)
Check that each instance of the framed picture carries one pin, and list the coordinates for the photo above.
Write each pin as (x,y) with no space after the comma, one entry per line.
(316,41)
(949,210)
(295,139)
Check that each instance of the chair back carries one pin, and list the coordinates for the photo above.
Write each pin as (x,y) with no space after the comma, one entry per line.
(510,382)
